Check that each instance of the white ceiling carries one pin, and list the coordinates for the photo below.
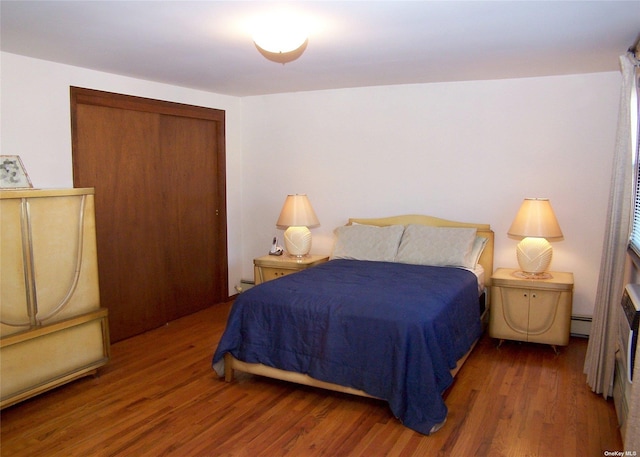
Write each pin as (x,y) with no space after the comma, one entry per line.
(207,45)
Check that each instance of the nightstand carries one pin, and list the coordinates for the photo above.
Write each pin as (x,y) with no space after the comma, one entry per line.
(533,310)
(270,267)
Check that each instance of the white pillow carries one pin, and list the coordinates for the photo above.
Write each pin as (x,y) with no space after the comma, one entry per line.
(367,242)
(476,251)
(437,246)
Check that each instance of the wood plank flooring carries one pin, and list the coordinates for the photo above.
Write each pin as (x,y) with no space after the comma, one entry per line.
(159,397)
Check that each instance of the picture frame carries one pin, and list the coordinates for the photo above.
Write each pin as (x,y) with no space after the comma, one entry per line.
(13,175)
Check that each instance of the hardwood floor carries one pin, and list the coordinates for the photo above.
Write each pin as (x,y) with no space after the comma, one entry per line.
(159,397)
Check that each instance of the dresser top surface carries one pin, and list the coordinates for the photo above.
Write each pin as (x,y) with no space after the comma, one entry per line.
(38,193)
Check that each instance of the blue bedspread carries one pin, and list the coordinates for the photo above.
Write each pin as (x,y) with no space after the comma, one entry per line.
(392,330)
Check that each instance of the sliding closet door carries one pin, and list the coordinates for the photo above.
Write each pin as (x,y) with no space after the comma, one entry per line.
(158,170)
(191,216)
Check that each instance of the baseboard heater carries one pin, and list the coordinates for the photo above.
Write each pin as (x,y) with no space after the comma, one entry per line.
(245,284)
(581,326)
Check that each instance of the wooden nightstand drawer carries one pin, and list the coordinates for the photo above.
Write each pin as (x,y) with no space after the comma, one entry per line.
(269,267)
(272,273)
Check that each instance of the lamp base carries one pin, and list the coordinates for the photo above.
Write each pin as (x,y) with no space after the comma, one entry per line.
(297,241)
(534,255)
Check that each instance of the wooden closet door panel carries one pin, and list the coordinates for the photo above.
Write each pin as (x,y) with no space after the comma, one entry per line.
(159,172)
(189,166)
(120,159)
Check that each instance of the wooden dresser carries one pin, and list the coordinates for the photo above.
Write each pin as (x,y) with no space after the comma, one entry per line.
(52,328)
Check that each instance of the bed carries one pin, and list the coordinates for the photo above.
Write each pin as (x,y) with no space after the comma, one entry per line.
(392,315)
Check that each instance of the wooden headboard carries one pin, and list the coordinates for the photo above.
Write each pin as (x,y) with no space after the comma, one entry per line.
(484,230)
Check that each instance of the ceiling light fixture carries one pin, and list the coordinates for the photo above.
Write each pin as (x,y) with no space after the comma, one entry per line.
(280,37)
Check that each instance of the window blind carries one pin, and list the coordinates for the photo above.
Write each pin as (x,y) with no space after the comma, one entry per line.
(634,242)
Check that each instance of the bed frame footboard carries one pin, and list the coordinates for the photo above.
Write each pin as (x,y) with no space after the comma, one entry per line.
(231,364)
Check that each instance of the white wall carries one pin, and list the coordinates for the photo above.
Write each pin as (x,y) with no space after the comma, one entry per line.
(468,151)
(35,124)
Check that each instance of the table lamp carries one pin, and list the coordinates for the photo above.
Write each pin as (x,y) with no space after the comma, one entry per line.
(296,217)
(536,224)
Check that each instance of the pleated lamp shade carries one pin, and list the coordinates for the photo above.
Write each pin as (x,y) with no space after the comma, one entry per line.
(536,224)
(296,217)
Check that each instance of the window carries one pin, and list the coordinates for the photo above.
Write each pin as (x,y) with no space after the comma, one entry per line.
(634,242)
